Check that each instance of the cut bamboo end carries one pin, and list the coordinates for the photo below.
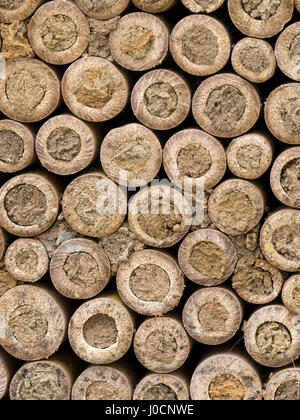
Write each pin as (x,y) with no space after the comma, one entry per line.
(271,336)
(98,104)
(200,45)
(140,41)
(98,383)
(101,330)
(157,6)
(254,59)
(20,308)
(66,145)
(190,155)
(279,240)
(202,6)
(225,377)
(207,257)
(40,93)
(212,316)
(155,387)
(236,206)
(287,51)
(29,204)
(161,99)
(161,344)
(59,32)
(159,216)
(281,113)
(17,10)
(250,155)
(102,10)
(3,242)
(79,269)
(93,205)
(150,283)
(283,386)
(7,369)
(44,381)
(7,282)
(291,294)
(131,155)
(226,105)
(260,21)
(27,260)
(284,177)
(16,146)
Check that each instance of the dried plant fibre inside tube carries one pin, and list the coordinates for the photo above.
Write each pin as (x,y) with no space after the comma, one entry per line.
(202,6)
(155,387)
(283,386)
(11,11)
(103,9)
(287,51)
(291,294)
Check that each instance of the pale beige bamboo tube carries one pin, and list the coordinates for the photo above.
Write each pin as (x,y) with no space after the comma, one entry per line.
(17,10)
(140,41)
(16,146)
(66,145)
(226,376)
(281,113)
(287,51)
(284,177)
(156,6)
(7,282)
(159,216)
(250,155)
(164,386)
(27,260)
(94,89)
(30,91)
(254,59)
(202,6)
(93,205)
(161,344)
(236,206)
(279,240)
(207,257)
(3,242)
(101,330)
(226,105)
(59,32)
(7,369)
(104,9)
(258,19)
(291,294)
(283,386)
(29,204)
(212,316)
(192,154)
(200,45)
(131,155)
(110,383)
(150,282)
(79,269)
(24,306)
(161,99)
(271,336)
(297,4)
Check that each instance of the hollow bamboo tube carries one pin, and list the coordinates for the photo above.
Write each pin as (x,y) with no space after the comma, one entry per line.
(59,32)
(283,386)
(79,269)
(281,113)
(17,10)
(271,336)
(93,205)
(39,95)
(254,59)
(140,41)
(260,20)
(202,6)
(291,294)
(226,376)
(27,260)
(16,146)
(250,155)
(287,51)
(157,6)
(101,330)
(103,10)
(150,282)
(226,105)
(94,89)
(131,155)
(200,45)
